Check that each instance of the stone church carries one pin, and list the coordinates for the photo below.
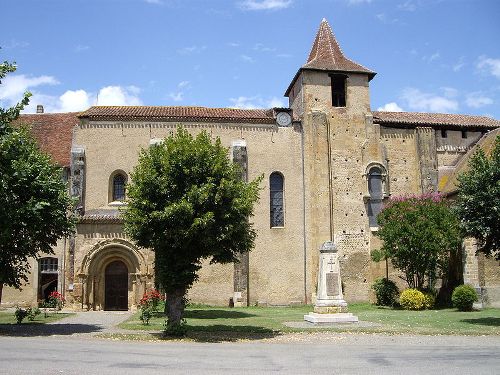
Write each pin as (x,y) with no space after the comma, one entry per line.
(329,163)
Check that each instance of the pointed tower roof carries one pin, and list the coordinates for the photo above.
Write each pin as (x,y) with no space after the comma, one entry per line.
(326,54)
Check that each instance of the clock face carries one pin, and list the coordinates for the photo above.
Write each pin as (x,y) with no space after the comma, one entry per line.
(283,119)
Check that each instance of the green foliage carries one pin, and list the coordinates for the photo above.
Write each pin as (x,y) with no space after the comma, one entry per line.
(175,329)
(146,314)
(386,292)
(412,299)
(463,297)
(419,234)
(187,202)
(20,314)
(33,198)
(478,202)
(32,312)
(429,300)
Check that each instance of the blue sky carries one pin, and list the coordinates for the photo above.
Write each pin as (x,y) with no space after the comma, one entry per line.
(430,56)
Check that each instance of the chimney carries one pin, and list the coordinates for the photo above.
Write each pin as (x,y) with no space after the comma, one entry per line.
(39,108)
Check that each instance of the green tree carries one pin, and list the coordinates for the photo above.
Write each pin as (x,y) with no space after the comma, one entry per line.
(478,202)
(420,234)
(34,203)
(187,202)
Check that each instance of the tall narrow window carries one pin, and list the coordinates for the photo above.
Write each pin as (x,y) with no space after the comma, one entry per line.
(47,277)
(276,202)
(338,90)
(119,187)
(376,191)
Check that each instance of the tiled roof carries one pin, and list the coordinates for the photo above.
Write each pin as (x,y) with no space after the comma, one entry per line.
(441,119)
(202,114)
(486,143)
(53,132)
(101,215)
(326,54)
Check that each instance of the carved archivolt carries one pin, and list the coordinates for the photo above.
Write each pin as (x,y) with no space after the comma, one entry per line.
(105,251)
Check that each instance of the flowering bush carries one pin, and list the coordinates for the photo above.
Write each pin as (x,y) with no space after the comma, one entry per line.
(20,314)
(56,300)
(149,304)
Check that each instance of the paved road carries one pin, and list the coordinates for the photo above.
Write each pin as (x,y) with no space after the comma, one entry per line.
(296,354)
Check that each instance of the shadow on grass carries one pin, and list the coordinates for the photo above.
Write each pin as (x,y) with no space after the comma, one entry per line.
(41,329)
(216,314)
(221,333)
(488,321)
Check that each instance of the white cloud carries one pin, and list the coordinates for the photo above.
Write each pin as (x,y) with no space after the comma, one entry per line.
(426,102)
(253,102)
(408,5)
(477,100)
(436,55)
(390,107)
(449,92)
(73,101)
(356,2)
(178,95)
(117,95)
(233,44)
(265,4)
(459,64)
(247,58)
(262,48)
(81,48)
(156,2)
(489,65)
(14,86)
(191,50)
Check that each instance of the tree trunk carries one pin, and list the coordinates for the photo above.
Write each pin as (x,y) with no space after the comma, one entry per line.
(1,289)
(175,307)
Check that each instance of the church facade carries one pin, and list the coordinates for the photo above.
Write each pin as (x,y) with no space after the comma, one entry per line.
(329,164)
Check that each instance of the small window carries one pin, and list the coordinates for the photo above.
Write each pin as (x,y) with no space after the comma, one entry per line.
(48,265)
(276,200)
(338,90)
(464,133)
(119,187)
(444,133)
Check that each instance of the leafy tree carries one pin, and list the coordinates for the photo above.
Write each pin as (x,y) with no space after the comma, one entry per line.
(420,233)
(187,202)
(34,204)
(478,203)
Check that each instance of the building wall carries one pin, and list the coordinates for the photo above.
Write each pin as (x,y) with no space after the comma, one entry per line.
(276,263)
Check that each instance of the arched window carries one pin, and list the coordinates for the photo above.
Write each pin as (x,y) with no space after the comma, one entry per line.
(276,200)
(119,181)
(376,188)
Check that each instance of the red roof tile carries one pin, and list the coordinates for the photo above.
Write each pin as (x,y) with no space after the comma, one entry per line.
(201,114)
(429,119)
(326,54)
(53,132)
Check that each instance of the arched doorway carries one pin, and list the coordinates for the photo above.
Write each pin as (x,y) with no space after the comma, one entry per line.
(116,286)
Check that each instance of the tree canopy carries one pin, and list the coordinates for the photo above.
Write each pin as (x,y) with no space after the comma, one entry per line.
(478,202)
(187,202)
(34,203)
(419,233)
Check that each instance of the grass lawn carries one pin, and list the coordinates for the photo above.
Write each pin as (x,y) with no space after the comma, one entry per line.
(9,318)
(268,321)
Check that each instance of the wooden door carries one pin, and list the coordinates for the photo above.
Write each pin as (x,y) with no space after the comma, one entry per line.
(116,286)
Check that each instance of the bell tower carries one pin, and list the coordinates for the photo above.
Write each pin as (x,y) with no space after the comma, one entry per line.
(330,94)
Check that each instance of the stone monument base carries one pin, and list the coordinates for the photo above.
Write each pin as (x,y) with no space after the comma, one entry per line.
(316,318)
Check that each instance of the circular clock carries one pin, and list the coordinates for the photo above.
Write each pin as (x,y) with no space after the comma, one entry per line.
(283,119)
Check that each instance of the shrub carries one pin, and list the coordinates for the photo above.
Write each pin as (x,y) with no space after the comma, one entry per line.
(463,297)
(56,300)
(151,300)
(32,312)
(386,292)
(429,300)
(175,330)
(146,314)
(412,299)
(20,314)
